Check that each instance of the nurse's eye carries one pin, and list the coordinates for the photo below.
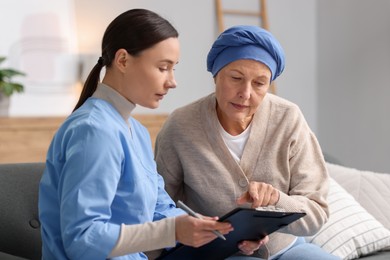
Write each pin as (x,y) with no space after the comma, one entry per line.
(163,69)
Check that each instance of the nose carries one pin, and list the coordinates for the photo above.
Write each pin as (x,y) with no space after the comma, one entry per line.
(245,90)
(171,81)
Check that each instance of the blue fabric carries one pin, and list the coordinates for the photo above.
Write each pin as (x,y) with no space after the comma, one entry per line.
(300,250)
(98,175)
(246,42)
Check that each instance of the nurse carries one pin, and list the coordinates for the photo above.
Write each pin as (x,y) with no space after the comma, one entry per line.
(100,195)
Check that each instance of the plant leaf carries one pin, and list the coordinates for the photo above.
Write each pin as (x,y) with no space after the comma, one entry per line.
(8,73)
(9,88)
(6,85)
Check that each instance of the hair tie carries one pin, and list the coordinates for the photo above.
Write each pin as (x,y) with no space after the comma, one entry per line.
(100,61)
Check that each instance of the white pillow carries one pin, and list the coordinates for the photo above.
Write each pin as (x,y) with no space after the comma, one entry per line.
(370,189)
(350,231)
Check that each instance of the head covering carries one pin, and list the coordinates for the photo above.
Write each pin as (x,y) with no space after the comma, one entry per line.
(246,42)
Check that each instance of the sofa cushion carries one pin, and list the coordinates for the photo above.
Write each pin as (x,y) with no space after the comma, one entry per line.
(370,189)
(350,231)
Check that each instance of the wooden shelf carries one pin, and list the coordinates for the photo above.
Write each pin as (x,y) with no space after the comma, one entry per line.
(26,139)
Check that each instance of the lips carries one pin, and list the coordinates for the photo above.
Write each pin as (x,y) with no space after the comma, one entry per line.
(161,96)
(238,106)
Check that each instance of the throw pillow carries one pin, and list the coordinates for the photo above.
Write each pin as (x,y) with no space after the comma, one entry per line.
(350,231)
(370,189)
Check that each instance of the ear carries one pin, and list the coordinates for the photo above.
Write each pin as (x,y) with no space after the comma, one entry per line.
(121,57)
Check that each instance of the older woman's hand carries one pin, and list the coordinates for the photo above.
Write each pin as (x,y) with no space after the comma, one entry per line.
(260,194)
(248,247)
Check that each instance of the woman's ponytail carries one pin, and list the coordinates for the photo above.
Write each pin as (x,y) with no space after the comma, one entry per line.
(91,83)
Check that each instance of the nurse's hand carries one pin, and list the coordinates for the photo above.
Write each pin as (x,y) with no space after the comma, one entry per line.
(260,194)
(197,232)
(248,247)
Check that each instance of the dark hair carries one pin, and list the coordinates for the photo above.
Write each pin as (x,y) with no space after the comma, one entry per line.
(134,30)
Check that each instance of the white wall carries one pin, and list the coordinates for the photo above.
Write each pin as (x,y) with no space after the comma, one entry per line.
(29,29)
(354,82)
(292,23)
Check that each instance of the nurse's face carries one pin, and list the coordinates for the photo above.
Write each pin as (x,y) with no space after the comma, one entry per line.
(151,73)
(240,88)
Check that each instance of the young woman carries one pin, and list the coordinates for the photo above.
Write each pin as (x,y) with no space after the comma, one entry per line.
(101,196)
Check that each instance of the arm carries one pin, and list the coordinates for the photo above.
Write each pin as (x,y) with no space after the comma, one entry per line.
(86,190)
(159,234)
(308,189)
(165,207)
(298,176)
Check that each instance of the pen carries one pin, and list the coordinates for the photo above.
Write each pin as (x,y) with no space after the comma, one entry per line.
(192,213)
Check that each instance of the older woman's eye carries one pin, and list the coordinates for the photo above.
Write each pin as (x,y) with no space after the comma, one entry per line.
(259,84)
(236,78)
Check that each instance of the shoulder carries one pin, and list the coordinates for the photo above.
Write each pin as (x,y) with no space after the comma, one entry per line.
(280,103)
(188,114)
(282,116)
(280,107)
(192,108)
(185,122)
(96,119)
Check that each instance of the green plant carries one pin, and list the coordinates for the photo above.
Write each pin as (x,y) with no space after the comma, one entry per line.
(7,86)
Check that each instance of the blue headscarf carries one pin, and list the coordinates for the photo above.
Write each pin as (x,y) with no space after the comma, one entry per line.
(246,42)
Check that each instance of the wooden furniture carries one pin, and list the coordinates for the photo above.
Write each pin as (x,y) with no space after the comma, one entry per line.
(261,14)
(27,139)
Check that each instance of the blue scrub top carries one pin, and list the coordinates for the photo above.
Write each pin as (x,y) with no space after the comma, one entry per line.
(99,174)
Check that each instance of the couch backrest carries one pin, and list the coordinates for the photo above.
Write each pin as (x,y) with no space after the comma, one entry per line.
(19,224)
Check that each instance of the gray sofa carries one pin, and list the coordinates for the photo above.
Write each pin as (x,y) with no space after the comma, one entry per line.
(20,228)
(20,235)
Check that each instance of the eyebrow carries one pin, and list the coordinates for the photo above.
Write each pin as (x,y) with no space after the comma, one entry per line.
(169,61)
(257,77)
(262,76)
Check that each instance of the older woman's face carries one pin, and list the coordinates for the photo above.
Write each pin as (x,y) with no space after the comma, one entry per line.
(240,88)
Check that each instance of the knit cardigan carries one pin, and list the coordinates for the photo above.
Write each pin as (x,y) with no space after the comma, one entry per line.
(281,150)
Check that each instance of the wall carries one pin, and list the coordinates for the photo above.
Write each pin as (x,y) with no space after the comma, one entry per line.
(292,23)
(38,37)
(354,76)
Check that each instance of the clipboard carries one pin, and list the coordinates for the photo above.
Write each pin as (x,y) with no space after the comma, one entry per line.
(248,223)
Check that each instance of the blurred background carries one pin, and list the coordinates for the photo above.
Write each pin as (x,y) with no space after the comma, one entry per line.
(337,61)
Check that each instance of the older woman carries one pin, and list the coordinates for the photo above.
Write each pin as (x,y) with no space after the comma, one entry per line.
(242,145)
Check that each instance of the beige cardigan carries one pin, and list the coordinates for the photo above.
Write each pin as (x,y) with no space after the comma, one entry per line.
(281,150)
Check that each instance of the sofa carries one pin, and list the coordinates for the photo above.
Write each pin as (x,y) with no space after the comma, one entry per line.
(20,236)
(359,204)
